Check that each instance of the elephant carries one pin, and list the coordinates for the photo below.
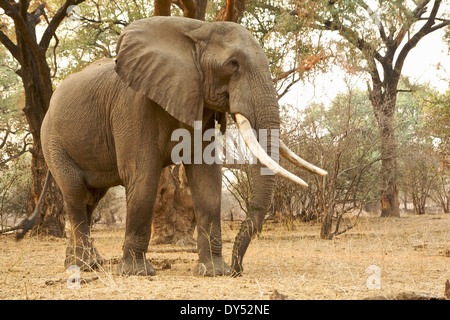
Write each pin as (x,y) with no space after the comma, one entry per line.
(111,124)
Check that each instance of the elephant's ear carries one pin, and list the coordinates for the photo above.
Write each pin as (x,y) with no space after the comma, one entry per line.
(158,58)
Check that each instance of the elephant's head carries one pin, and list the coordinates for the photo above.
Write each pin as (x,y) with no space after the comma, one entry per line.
(187,66)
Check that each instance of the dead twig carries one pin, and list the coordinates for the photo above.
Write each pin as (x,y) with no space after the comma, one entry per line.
(406,296)
(275,295)
(52,282)
(172,250)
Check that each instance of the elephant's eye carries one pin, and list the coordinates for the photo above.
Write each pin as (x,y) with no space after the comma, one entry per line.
(234,63)
(228,68)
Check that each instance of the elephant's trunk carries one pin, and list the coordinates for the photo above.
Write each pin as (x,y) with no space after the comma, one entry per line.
(263,185)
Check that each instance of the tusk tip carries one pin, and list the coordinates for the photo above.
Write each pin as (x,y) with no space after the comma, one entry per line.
(300,182)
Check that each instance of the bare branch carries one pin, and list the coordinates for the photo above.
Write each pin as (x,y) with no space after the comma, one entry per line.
(179,4)
(5,138)
(416,13)
(55,22)
(237,193)
(189,8)
(231,10)
(10,46)
(35,16)
(21,152)
(55,62)
(286,90)
(284,74)
(352,37)
(23,5)
(10,8)
(420,9)
(439,26)
(438,19)
(375,18)
(426,29)
(20,25)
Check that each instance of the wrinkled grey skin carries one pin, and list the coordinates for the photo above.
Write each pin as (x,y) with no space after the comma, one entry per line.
(111,124)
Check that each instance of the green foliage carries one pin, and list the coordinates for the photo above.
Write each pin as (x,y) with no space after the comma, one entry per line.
(292,50)
(9,86)
(436,118)
(94,33)
(15,183)
(341,138)
(447,39)
(14,137)
(14,142)
(423,119)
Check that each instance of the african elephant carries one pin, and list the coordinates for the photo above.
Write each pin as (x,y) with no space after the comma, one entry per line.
(111,124)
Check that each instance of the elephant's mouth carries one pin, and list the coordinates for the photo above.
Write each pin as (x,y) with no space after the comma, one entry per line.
(258,151)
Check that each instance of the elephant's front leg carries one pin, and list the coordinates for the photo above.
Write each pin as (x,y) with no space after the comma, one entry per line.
(205,182)
(141,195)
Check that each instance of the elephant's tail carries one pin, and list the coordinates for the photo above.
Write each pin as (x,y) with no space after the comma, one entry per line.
(28,223)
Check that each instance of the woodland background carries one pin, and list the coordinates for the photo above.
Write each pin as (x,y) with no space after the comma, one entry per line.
(383,138)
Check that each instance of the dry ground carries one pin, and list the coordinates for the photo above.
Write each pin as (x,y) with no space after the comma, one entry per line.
(412,253)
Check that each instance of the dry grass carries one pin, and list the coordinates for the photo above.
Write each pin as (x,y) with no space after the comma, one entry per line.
(412,252)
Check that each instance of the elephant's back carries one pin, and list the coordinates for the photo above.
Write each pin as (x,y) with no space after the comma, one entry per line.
(89,82)
(78,118)
(87,93)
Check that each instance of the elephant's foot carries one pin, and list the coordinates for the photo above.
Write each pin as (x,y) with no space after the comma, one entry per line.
(86,257)
(134,266)
(214,267)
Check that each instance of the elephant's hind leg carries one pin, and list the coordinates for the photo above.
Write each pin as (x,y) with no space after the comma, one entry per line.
(81,251)
(79,204)
(77,199)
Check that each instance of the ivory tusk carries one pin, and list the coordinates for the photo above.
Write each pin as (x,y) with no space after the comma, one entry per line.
(295,159)
(250,140)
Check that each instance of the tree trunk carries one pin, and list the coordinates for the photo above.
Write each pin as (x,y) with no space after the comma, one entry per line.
(51,220)
(35,74)
(384,108)
(36,79)
(173,219)
(325,228)
(389,189)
